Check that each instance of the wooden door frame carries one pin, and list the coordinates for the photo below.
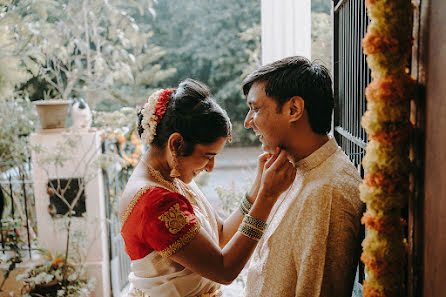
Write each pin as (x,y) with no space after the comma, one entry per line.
(427,206)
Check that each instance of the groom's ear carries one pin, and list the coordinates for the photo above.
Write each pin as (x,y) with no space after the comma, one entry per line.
(295,108)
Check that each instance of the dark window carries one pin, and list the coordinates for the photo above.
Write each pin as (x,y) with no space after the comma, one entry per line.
(57,206)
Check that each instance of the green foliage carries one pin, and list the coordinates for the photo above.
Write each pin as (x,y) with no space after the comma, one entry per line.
(11,241)
(89,49)
(47,279)
(215,42)
(17,120)
(323,6)
(209,48)
(321,38)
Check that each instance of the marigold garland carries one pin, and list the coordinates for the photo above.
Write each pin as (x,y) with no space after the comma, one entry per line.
(387,45)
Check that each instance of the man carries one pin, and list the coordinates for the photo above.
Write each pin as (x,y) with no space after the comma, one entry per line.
(311,245)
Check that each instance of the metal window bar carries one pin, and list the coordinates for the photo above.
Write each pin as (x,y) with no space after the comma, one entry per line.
(351,76)
(114,183)
(13,189)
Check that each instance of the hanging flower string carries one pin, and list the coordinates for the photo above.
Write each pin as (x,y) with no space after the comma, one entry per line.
(387,45)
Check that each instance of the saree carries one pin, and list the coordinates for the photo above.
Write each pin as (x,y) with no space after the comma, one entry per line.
(156,223)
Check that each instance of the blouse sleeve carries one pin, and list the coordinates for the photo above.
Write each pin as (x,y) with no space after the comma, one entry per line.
(168,222)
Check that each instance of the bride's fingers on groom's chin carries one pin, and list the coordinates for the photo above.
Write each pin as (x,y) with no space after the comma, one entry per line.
(271,160)
(264,157)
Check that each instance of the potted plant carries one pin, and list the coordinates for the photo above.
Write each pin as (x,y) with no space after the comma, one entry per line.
(55,277)
(52,113)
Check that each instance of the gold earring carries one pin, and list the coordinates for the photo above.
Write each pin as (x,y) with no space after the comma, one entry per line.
(174,173)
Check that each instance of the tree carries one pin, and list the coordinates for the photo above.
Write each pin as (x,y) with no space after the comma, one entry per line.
(96,50)
(323,6)
(209,48)
(321,38)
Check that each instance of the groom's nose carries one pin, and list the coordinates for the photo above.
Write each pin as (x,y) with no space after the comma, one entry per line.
(248,120)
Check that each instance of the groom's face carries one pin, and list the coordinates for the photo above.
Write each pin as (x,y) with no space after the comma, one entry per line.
(266,119)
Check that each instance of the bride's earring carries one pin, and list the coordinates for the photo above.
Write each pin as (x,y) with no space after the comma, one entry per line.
(174,173)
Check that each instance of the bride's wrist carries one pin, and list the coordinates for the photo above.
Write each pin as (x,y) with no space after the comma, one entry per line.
(251,196)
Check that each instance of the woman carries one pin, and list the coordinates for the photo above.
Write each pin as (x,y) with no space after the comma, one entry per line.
(177,244)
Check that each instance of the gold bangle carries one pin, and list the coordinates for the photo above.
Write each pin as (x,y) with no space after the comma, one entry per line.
(250,231)
(255,222)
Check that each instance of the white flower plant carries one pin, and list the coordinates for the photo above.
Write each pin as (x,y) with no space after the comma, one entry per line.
(47,279)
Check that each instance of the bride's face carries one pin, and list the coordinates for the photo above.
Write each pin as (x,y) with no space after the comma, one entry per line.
(202,158)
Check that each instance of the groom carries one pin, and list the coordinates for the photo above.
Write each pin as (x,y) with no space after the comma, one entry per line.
(311,245)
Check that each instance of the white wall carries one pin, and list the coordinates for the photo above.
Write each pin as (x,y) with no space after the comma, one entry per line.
(286,29)
(51,233)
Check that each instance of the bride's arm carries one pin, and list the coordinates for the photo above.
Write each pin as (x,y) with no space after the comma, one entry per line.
(229,227)
(206,258)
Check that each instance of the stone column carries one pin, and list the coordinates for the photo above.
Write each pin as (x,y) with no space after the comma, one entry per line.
(286,29)
(79,163)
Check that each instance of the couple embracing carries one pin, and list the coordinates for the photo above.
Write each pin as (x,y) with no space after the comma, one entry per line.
(300,221)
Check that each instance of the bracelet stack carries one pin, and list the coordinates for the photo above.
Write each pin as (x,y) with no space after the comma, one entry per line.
(252,227)
(245,205)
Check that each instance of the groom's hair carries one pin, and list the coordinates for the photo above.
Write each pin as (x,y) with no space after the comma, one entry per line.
(297,76)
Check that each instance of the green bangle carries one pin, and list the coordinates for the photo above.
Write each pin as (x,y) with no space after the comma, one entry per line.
(246,202)
(242,209)
(245,205)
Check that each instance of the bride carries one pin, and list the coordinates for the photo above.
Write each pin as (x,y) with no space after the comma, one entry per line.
(176,242)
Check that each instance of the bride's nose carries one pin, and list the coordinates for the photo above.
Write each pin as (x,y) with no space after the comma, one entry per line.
(210,165)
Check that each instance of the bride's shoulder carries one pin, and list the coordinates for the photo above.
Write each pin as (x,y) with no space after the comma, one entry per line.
(137,187)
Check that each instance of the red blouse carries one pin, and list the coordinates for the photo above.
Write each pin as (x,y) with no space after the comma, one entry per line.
(157,219)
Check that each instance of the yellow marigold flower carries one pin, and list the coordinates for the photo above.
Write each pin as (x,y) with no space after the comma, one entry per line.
(385,65)
(386,159)
(379,203)
(385,247)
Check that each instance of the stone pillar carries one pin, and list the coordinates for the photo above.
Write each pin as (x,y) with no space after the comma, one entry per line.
(286,29)
(79,163)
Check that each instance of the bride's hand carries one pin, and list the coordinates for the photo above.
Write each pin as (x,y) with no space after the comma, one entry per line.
(278,175)
(252,193)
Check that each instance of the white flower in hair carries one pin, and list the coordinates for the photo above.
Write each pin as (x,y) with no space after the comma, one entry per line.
(152,113)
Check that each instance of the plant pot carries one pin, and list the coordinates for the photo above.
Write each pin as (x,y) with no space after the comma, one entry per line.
(48,289)
(52,113)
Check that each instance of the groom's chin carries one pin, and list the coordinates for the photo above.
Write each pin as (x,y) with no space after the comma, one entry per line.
(268,149)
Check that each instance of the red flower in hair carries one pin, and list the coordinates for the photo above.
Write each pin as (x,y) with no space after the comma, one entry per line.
(161,104)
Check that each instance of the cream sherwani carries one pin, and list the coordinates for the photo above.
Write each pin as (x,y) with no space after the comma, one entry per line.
(311,245)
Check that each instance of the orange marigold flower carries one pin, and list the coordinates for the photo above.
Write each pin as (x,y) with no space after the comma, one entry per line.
(386,225)
(381,267)
(393,137)
(374,43)
(391,89)
(388,183)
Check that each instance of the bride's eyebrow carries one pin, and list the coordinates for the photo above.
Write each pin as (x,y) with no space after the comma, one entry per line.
(212,154)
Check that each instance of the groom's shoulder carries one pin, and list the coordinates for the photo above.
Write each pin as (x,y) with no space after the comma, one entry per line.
(338,176)
(337,171)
